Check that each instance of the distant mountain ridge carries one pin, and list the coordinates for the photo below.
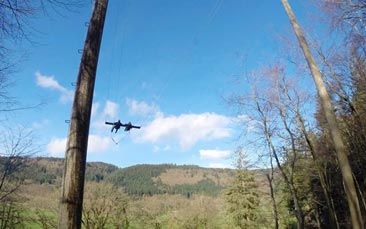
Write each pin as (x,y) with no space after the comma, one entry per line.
(138,180)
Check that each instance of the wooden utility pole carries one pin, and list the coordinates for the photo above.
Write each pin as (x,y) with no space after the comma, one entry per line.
(71,202)
(349,184)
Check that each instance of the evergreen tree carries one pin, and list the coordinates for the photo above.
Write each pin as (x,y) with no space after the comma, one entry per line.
(242,197)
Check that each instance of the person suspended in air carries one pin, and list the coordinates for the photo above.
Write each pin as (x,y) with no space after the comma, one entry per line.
(116,125)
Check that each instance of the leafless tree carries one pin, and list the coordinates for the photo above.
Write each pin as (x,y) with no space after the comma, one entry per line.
(104,205)
(295,101)
(270,179)
(344,73)
(16,26)
(271,124)
(328,109)
(348,16)
(16,146)
(290,154)
(16,15)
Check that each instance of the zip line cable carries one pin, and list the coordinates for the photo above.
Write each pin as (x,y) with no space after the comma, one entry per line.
(215,9)
(212,14)
(113,81)
(114,73)
(115,90)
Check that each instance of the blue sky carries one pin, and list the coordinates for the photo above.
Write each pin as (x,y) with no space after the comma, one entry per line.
(164,65)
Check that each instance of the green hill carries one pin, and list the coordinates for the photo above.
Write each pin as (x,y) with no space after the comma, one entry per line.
(165,194)
(50,170)
(171,179)
(138,180)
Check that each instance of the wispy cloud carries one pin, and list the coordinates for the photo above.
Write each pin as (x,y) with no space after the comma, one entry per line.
(95,109)
(40,124)
(186,129)
(101,114)
(214,154)
(111,110)
(159,148)
(142,108)
(50,83)
(250,124)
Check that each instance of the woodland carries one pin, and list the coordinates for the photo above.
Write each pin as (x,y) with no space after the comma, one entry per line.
(310,143)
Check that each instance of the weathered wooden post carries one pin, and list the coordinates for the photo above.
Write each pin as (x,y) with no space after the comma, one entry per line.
(71,201)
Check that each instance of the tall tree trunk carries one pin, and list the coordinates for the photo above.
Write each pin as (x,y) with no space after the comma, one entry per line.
(274,203)
(270,177)
(339,146)
(289,178)
(317,218)
(290,185)
(328,199)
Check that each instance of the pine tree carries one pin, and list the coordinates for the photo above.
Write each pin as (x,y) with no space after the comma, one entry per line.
(242,197)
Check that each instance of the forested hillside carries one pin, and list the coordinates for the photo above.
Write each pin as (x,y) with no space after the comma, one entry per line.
(138,180)
(50,170)
(168,195)
(171,179)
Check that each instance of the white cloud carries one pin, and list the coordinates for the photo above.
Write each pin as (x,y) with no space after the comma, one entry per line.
(142,108)
(185,129)
(49,82)
(111,109)
(102,114)
(244,118)
(214,154)
(159,149)
(156,148)
(165,132)
(219,166)
(38,125)
(166,148)
(98,143)
(95,109)
(251,124)
(57,146)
